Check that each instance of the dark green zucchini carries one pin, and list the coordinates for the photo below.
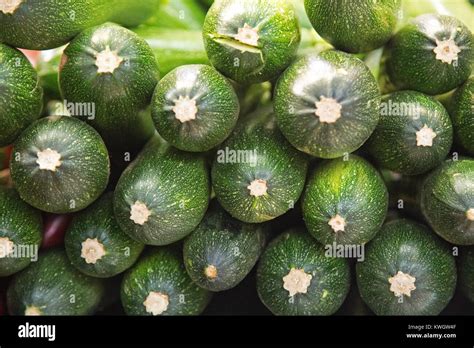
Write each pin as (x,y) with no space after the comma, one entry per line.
(407,271)
(96,245)
(432,54)
(327,105)
(354,26)
(447,201)
(414,133)
(21,96)
(52,286)
(466,272)
(59,164)
(112,73)
(20,233)
(251,41)
(45,24)
(195,108)
(163,195)
(345,201)
(159,285)
(295,277)
(462,114)
(257,175)
(220,253)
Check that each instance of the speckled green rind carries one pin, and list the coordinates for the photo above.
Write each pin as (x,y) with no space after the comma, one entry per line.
(216,102)
(118,97)
(277,28)
(174,186)
(462,115)
(354,26)
(98,222)
(408,247)
(269,157)
(229,245)
(22,225)
(77,182)
(162,270)
(55,287)
(45,24)
(466,273)
(393,144)
(412,63)
(331,74)
(350,188)
(296,249)
(446,195)
(21,96)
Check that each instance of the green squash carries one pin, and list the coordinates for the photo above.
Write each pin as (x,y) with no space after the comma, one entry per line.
(20,232)
(327,105)
(52,286)
(407,271)
(295,277)
(96,245)
(462,115)
(195,108)
(159,285)
(345,201)
(354,26)
(21,96)
(111,72)
(257,175)
(466,273)
(251,41)
(163,195)
(432,54)
(414,133)
(59,165)
(447,201)
(222,251)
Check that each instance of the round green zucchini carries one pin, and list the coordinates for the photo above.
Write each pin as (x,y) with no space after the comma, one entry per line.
(195,108)
(159,285)
(345,202)
(407,270)
(59,164)
(96,245)
(414,133)
(432,54)
(251,41)
(295,277)
(327,105)
(462,115)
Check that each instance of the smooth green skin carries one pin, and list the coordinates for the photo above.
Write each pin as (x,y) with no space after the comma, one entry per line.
(119,96)
(466,273)
(162,270)
(279,37)
(332,74)
(229,245)
(277,162)
(296,249)
(462,115)
(21,96)
(393,144)
(406,246)
(216,101)
(46,24)
(412,64)
(22,225)
(354,190)
(98,221)
(446,195)
(79,180)
(54,286)
(354,26)
(174,185)
(174,47)
(178,14)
